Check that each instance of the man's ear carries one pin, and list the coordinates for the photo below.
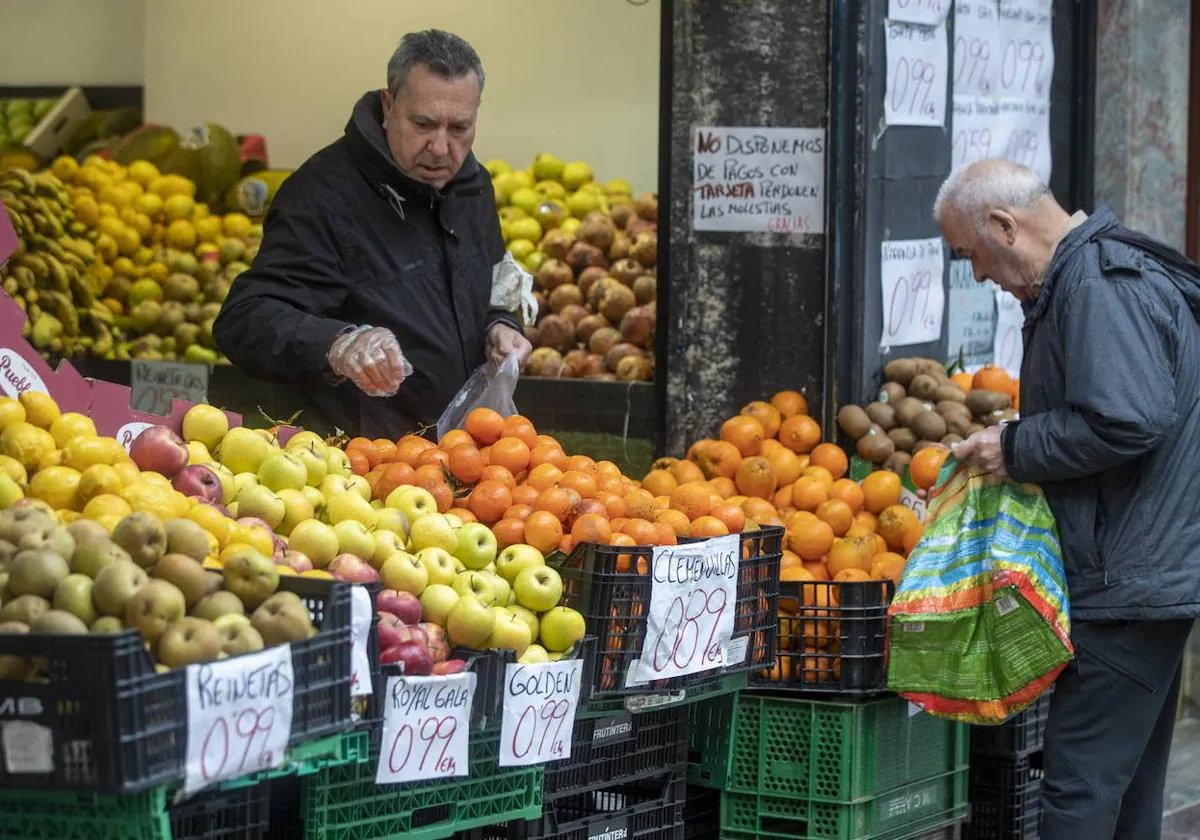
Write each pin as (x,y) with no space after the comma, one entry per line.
(1003,225)
(387,100)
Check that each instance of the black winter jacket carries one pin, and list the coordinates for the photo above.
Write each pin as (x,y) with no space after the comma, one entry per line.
(350,240)
(1110,424)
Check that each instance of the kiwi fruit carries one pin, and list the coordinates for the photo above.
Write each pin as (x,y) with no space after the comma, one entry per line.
(923,386)
(949,407)
(929,425)
(1000,416)
(875,448)
(951,439)
(949,393)
(897,461)
(907,409)
(903,439)
(901,371)
(852,420)
(891,393)
(973,428)
(957,424)
(983,403)
(882,415)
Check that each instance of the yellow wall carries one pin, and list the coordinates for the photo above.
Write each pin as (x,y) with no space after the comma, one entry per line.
(69,42)
(578,78)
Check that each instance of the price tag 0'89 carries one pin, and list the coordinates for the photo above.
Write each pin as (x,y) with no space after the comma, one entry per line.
(693,597)
(239,716)
(426,728)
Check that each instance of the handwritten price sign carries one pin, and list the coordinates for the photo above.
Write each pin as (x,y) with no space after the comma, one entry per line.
(155,384)
(916,74)
(426,728)
(539,712)
(1010,345)
(239,716)
(927,12)
(913,502)
(693,595)
(914,294)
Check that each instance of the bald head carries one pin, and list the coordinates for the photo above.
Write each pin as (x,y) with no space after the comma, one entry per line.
(1002,217)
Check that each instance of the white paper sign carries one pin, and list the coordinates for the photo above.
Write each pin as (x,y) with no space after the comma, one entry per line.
(913,502)
(916,74)
(693,595)
(28,747)
(977,48)
(361,614)
(927,12)
(910,277)
(426,728)
(239,716)
(128,433)
(970,316)
(540,702)
(1024,134)
(976,123)
(759,179)
(1026,52)
(1009,345)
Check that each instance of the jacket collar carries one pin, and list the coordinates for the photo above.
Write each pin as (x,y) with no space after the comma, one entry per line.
(368,145)
(1103,219)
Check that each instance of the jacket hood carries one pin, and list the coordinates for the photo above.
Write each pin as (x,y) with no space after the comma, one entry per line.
(368,142)
(1103,219)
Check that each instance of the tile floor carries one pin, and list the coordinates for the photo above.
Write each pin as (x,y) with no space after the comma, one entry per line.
(1183,784)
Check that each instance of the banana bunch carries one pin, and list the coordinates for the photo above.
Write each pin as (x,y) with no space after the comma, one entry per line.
(54,275)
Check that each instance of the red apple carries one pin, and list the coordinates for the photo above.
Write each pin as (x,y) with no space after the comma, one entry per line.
(436,641)
(450,666)
(412,657)
(224,510)
(160,450)
(352,568)
(391,630)
(199,482)
(296,560)
(403,604)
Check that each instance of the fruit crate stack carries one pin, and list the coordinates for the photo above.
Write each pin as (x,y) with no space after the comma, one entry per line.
(1006,776)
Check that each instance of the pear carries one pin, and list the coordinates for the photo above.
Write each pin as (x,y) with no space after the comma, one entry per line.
(186,537)
(16,523)
(107,624)
(154,608)
(59,621)
(211,607)
(240,638)
(36,571)
(116,585)
(92,556)
(87,530)
(57,540)
(143,536)
(24,610)
(74,595)
(189,641)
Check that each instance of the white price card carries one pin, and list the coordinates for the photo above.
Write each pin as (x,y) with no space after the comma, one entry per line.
(28,747)
(914,297)
(239,716)
(970,316)
(426,728)
(361,614)
(540,702)
(915,92)
(913,502)
(1010,345)
(927,12)
(1026,50)
(1024,134)
(693,596)
(759,179)
(977,48)
(977,130)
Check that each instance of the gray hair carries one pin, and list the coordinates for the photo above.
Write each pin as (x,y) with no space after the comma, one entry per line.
(975,190)
(444,53)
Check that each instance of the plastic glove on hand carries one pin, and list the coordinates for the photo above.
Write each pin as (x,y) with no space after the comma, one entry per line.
(371,358)
(503,341)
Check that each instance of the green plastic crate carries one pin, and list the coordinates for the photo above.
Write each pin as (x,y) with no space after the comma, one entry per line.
(717,687)
(825,751)
(709,725)
(901,813)
(345,803)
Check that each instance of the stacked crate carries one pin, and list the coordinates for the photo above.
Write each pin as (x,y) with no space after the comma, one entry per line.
(815,749)
(1006,776)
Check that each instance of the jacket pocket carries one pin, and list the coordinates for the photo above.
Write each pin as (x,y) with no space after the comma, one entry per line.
(1123,520)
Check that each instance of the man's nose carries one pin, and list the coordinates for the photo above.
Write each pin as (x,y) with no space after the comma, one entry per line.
(439,144)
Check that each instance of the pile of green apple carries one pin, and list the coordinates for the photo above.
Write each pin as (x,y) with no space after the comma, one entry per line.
(146,575)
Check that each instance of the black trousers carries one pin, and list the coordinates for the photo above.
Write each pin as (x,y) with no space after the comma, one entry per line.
(1108,736)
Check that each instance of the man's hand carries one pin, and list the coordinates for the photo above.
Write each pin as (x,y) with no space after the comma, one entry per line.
(982,450)
(371,358)
(503,340)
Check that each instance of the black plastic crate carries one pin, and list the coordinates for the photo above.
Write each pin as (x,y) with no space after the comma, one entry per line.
(614,605)
(618,748)
(702,814)
(1006,798)
(650,809)
(1019,736)
(242,813)
(117,726)
(832,638)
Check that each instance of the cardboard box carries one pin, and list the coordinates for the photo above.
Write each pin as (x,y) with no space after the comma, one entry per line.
(52,132)
(114,417)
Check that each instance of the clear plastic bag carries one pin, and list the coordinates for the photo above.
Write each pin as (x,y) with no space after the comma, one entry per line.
(485,389)
(512,290)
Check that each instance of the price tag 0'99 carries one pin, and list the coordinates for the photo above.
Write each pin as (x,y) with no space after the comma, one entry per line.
(426,728)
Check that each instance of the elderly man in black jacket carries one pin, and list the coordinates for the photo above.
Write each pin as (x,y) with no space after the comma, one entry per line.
(1110,428)
(373,287)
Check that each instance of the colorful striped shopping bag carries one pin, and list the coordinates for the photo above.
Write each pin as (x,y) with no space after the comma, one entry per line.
(979,625)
